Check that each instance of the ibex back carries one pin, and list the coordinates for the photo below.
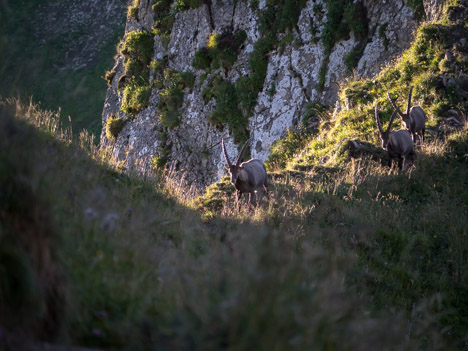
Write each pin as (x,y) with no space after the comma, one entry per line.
(397,143)
(414,119)
(247,177)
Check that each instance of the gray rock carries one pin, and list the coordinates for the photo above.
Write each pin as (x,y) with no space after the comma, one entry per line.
(196,156)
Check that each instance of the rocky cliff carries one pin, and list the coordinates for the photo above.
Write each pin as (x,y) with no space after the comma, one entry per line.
(236,70)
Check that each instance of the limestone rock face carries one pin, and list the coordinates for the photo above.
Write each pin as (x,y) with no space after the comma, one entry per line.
(433,9)
(292,80)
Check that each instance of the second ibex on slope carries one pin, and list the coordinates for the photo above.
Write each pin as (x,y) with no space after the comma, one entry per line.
(397,143)
(414,119)
(247,177)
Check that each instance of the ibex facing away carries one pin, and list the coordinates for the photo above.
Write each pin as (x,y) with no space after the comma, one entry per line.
(397,143)
(247,177)
(414,119)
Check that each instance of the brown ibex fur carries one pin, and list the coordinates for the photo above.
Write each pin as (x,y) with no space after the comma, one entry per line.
(247,177)
(397,143)
(414,119)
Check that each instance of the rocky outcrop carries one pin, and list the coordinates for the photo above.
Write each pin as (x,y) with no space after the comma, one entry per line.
(292,80)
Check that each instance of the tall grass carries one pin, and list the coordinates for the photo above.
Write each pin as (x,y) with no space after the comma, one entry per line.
(329,262)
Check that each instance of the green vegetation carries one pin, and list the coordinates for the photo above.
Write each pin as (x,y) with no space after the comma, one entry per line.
(418,8)
(171,96)
(220,52)
(114,126)
(344,254)
(343,17)
(40,68)
(358,254)
(135,98)
(133,9)
(137,50)
(424,66)
(163,18)
(227,108)
(383,35)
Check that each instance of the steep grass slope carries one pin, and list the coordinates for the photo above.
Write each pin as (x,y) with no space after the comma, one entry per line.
(345,255)
(58,52)
(334,261)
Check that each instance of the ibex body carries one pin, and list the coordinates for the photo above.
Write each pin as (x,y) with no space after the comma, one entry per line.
(398,144)
(414,119)
(247,177)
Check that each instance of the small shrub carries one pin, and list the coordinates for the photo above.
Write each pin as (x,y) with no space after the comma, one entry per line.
(202,59)
(285,148)
(114,126)
(352,58)
(158,163)
(133,9)
(227,110)
(135,98)
(220,52)
(109,76)
(139,45)
(170,100)
(418,8)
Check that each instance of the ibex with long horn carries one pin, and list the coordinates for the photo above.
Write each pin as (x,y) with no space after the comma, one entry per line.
(398,143)
(414,119)
(247,177)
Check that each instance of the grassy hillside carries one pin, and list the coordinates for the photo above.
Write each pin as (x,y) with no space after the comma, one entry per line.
(345,255)
(355,258)
(38,63)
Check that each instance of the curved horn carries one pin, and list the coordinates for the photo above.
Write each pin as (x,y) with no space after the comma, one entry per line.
(379,125)
(241,153)
(394,105)
(409,100)
(391,120)
(225,153)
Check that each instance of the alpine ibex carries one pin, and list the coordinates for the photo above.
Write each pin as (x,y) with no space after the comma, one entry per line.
(397,143)
(414,119)
(247,177)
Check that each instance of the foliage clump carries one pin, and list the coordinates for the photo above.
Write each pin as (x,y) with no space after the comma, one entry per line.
(343,17)
(171,96)
(215,196)
(114,126)
(137,50)
(227,108)
(135,98)
(221,51)
(133,9)
(287,148)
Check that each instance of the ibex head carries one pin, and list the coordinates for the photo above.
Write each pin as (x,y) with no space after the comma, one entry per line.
(405,116)
(234,168)
(384,135)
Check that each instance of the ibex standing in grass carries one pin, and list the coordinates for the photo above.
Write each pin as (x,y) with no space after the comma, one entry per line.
(397,143)
(414,119)
(247,177)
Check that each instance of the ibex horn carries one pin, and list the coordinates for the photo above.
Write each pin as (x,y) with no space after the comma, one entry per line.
(241,153)
(394,105)
(409,100)
(225,153)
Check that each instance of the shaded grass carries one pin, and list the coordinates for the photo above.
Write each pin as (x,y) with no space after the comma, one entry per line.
(79,94)
(144,271)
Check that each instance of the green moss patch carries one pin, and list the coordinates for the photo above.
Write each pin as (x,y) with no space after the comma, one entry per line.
(227,108)
(114,126)
(220,52)
(171,97)
(137,50)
